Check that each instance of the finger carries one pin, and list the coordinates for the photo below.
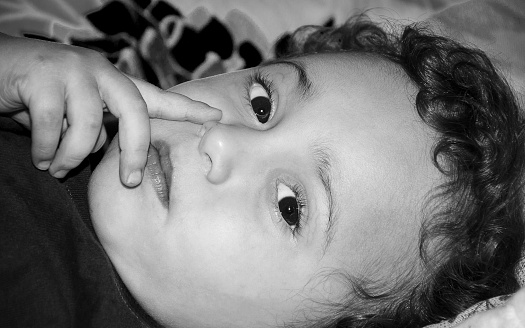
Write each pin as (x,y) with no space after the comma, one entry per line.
(101,139)
(124,100)
(173,106)
(84,118)
(46,107)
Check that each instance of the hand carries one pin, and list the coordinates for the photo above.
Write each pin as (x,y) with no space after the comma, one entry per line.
(511,315)
(59,92)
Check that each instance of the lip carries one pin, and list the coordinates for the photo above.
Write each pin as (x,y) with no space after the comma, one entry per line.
(160,170)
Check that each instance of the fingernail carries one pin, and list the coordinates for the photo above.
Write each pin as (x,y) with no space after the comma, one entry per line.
(44,165)
(60,174)
(134,178)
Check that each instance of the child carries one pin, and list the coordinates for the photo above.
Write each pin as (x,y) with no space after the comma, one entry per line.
(378,186)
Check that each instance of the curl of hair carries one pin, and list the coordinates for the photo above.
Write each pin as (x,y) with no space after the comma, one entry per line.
(471,240)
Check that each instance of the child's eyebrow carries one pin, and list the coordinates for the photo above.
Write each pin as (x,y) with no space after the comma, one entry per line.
(304,84)
(323,163)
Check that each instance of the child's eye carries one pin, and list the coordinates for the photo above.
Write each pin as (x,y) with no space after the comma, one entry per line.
(260,102)
(291,206)
(259,95)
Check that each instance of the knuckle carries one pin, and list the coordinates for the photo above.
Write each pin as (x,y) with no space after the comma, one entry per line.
(49,117)
(81,61)
(156,102)
(43,61)
(81,55)
(67,56)
(93,55)
(139,104)
(187,113)
(44,151)
(64,56)
(134,153)
(134,150)
(92,123)
(142,148)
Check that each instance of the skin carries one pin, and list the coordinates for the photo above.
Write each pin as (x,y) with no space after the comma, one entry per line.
(220,255)
(59,93)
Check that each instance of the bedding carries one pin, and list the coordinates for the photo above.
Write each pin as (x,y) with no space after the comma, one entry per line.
(167,42)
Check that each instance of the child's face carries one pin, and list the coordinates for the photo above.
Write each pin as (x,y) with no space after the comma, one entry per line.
(219,253)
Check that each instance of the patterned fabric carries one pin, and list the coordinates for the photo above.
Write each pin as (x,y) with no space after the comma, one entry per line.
(168,42)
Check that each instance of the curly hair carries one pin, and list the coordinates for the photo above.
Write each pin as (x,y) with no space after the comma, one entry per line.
(473,229)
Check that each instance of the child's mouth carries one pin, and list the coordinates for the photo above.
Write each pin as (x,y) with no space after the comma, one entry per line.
(160,169)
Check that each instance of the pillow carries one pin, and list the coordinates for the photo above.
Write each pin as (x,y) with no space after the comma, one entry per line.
(495,26)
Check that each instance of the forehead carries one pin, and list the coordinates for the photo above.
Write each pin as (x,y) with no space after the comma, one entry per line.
(357,74)
(362,97)
(354,84)
(382,171)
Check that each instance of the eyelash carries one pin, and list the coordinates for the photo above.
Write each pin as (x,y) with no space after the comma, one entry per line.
(301,203)
(268,85)
(263,80)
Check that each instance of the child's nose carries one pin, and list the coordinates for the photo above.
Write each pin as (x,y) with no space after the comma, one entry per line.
(219,145)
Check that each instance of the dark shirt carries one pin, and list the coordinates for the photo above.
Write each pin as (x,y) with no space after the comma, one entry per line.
(53,270)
